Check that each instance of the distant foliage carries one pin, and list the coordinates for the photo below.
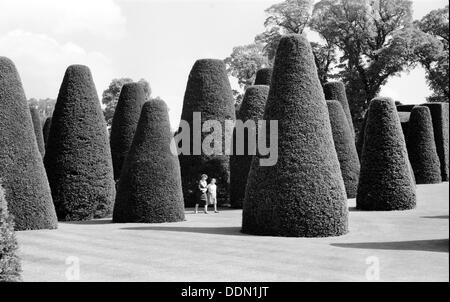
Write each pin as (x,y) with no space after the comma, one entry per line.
(37,127)
(10,267)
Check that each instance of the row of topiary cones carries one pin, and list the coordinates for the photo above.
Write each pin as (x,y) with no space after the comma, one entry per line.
(303,194)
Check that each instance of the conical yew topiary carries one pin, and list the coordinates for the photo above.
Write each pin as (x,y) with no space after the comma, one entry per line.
(440,118)
(46,130)
(150,184)
(208,92)
(21,169)
(360,137)
(336,91)
(37,127)
(422,148)
(385,181)
(78,156)
(10,267)
(345,147)
(303,194)
(252,108)
(124,123)
(263,76)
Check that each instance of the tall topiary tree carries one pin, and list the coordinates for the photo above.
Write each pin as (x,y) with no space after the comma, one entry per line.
(150,184)
(10,267)
(78,157)
(21,168)
(124,123)
(440,118)
(345,147)
(422,148)
(385,181)
(303,194)
(263,76)
(37,127)
(360,136)
(252,108)
(208,91)
(46,129)
(336,91)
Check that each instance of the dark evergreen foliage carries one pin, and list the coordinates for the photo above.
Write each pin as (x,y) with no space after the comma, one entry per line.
(336,91)
(263,76)
(37,127)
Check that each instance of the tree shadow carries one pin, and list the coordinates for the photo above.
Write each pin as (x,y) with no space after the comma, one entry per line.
(437,217)
(432,245)
(89,222)
(231,231)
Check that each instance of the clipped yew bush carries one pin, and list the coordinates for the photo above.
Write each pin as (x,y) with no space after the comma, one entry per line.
(440,116)
(422,148)
(46,129)
(124,123)
(336,91)
(78,156)
(37,127)
(303,194)
(252,108)
(360,137)
(263,76)
(21,169)
(385,181)
(345,147)
(208,91)
(405,108)
(150,185)
(10,267)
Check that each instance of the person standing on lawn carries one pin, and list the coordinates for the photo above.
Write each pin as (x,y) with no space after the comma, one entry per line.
(212,195)
(202,197)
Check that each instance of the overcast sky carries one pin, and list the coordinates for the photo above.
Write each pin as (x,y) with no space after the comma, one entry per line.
(152,39)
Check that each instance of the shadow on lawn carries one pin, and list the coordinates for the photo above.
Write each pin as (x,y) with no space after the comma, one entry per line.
(432,245)
(438,217)
(87,222)
(236,231)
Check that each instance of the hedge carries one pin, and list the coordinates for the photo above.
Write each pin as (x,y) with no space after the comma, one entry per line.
(336,91)
(124,123)
(360,136)
(10,267)
(252,108)
(344,144)
(78,156)
(263,76)
(440,116)
(208,91)
(21,168)
(37,127)
(150,184)
(303,194)
(422,148)
(385,181)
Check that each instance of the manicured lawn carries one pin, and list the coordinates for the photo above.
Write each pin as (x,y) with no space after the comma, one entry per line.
(408,245)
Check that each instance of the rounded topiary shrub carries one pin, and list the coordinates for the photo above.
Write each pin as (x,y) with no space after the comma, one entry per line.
(252,108)
(150,184)
(422,148)
(78,156)
(10,267)
(46,129)
(345,147)
(37,127)
(21,168)
(208,91)
(440,118)
(263,76)
(336,91)
(303,194)
(385,181)
(124,123)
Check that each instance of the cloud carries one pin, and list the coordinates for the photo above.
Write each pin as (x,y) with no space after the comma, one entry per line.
(102,18)
(41,62)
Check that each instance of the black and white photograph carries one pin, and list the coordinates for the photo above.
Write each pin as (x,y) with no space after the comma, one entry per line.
(224,147)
